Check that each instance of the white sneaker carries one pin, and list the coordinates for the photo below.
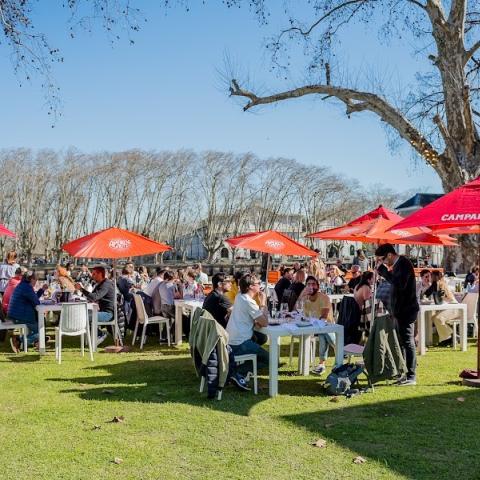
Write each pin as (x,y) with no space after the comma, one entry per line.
(101,338)
(319,369)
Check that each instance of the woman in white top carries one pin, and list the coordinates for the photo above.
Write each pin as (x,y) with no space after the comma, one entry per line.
(7,269)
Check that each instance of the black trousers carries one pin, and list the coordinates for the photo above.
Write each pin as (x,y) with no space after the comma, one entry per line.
(406,337)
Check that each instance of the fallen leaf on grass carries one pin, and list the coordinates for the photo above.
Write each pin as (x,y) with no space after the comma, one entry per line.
(118,460)
(335,399)
(108,391)
(119,419)
(329,425)
(320,443)
(460,399)
(96,427)
(359,460)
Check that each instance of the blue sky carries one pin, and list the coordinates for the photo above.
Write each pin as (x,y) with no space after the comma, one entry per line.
(164,92)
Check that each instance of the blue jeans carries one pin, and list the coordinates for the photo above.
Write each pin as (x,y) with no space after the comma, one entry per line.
(325,340)
(32,334)
(250,346)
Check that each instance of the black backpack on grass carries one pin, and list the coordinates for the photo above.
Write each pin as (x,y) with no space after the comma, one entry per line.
(342,379)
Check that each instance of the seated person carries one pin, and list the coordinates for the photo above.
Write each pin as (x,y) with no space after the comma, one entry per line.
(293,292)
(152,292)
(245,315)
(190,286)
(356,277)
(424,284)
(443,318)
(317,304)
(216,303)
(232,293)
(84,277)
(11,285)
(284,282)
(335,278)
(103,294)
(21,308)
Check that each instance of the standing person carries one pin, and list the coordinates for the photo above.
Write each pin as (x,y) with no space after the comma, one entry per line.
(361,260)
(7,269)
(398,271)
(284,282)
(246,314)
(216,303)
(363,290)
(21,308)
(11,286)
(356,277)
(104,295)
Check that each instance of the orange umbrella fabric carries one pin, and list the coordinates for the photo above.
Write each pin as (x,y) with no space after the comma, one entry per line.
(272,242)
(5,232)
(113,243)
(379,212)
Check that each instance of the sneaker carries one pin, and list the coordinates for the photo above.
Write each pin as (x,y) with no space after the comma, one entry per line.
(101,338)
(15,344)
(319,369)
(240,382)
(400,381)
(408,382)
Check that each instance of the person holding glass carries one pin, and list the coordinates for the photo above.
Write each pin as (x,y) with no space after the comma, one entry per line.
(316,304)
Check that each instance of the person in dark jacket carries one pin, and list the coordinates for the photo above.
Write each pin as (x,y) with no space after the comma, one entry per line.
(104,294)
(283,283)
(398,271)
(216,303)
(21,308)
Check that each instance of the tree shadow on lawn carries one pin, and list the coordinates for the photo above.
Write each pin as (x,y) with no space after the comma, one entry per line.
(174,380)
(429,437)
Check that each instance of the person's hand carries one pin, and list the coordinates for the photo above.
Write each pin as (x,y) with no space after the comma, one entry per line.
(262,298)
(378,262)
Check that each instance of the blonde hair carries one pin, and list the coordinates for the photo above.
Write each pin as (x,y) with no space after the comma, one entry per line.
(300,276)
(11,256)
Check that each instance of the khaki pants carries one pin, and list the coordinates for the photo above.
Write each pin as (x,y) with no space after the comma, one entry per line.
(442,321)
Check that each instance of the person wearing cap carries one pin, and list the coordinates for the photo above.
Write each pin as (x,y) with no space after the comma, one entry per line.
(216,303)
(398,271)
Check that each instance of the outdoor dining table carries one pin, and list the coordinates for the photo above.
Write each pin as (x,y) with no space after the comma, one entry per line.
(44,308)
(275,332)
(184,305)
(425,329)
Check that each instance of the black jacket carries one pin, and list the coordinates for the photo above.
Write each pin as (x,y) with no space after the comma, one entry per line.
(280,287)
(403,299)
(103,294)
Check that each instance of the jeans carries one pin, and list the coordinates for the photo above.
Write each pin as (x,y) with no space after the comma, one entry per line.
(103,317)
(32,334)
(250,346)
(406,338)
(325,340)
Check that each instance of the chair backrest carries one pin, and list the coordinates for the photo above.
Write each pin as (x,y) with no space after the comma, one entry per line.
(471,300)
(141,313)
(73,317)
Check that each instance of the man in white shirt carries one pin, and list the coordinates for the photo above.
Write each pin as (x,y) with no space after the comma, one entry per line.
(245,315)
(153,292)
(201,277)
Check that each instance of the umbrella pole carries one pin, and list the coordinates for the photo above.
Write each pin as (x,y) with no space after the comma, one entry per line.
(115,305)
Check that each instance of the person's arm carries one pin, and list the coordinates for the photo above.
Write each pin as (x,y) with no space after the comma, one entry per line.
(32,296)
(257,312)
(99,292)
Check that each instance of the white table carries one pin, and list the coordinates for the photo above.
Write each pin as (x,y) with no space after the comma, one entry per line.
(44,308)
(181,306)
(275,332)
(422,323)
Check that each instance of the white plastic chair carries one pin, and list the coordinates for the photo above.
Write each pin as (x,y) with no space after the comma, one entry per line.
(73,322)
(471,300)
(143,318)
(9,325)
(239,359)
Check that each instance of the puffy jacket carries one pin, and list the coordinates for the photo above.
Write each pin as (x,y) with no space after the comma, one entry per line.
(11,286)
(349,315)
(23,302)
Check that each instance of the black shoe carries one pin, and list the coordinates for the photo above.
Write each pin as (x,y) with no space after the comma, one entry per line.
(240,382)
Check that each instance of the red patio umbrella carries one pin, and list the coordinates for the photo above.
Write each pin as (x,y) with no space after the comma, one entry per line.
(379,212)
(456,212)
(5,232)
(113,243)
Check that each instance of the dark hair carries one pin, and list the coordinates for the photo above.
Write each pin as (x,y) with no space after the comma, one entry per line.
(100,270)
(218,278)
(159,270)
(424,271)
(437,273)
(18,271)
(384,250)
(246,282)
(168,276)
(29,275)
(311,278)
(286,270)
(125,271)
(366,276)
(237,276)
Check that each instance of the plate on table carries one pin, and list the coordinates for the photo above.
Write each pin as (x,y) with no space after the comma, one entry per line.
(303,323)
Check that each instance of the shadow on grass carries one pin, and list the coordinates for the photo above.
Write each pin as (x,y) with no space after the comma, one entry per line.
(429,437)
(17,358)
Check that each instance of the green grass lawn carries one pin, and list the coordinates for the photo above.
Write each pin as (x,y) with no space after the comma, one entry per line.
(55,422)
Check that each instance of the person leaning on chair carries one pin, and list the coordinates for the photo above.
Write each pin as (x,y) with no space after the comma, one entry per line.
(403,302)
(104,294)
(245,315)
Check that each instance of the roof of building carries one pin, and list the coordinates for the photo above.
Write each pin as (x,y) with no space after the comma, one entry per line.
(419,200)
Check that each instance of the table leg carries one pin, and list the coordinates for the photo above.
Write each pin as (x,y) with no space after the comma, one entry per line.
(94,332)
(428,327)
(273,367)
(339,341)
(463,330)
(305,365)
(41,333)
(178,324)
(300,354)
(421,332)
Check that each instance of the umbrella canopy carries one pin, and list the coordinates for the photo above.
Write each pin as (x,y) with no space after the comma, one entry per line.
(113,243)
(5,232)
(272,242)
(376,230)
(459,208)
(379,212)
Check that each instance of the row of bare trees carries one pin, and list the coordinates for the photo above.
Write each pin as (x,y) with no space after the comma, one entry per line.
(49,197)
